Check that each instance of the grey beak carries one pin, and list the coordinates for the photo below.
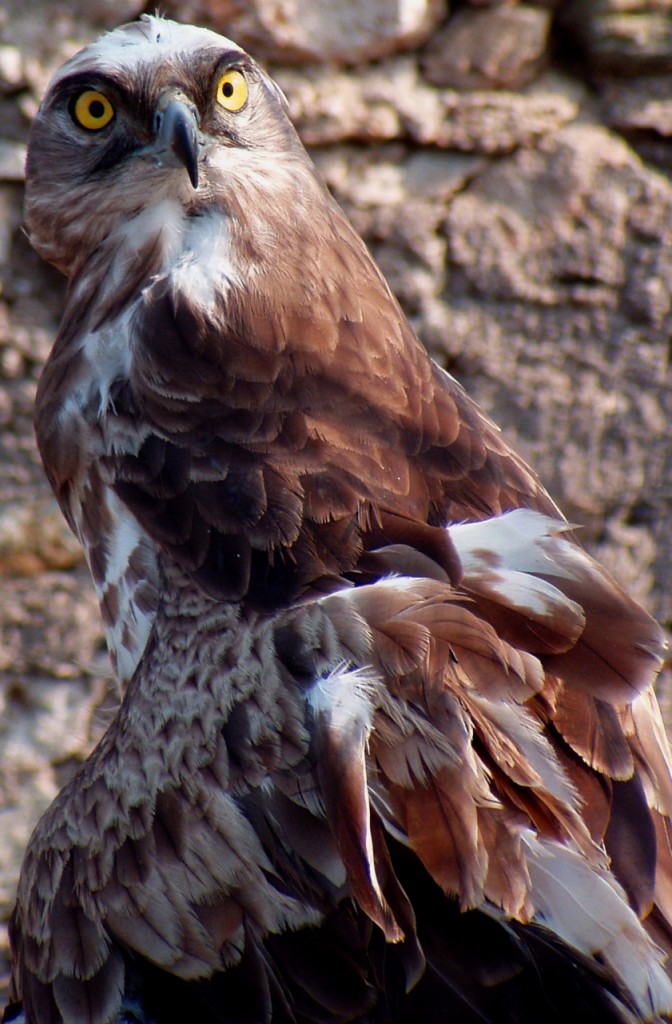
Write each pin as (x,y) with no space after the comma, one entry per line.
(177,137)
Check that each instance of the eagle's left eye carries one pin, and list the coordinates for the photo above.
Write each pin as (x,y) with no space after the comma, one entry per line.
(92,110)
(232,90)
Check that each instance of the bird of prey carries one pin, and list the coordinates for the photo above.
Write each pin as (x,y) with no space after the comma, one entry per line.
(387,748)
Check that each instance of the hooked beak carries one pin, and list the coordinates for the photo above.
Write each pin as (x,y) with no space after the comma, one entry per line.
(177,137)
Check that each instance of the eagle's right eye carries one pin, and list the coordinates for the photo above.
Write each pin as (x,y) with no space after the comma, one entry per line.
(92,110)
(232,90)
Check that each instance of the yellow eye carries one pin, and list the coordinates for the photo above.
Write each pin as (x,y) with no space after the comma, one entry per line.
(232,90)
(92,110)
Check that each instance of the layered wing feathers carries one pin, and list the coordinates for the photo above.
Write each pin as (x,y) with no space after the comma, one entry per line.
(295,447)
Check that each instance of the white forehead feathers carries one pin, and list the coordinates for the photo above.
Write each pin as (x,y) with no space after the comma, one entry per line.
(142,41)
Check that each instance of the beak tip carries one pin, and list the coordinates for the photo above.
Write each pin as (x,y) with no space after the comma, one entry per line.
(179,136)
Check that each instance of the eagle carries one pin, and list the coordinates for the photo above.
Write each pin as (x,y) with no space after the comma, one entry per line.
(387,747)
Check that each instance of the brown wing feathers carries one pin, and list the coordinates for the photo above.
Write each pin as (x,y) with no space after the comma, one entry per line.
(291,436)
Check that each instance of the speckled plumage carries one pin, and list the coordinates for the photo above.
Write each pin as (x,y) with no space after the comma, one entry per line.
(388,749)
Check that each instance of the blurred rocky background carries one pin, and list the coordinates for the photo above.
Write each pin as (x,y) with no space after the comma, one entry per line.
(509,164)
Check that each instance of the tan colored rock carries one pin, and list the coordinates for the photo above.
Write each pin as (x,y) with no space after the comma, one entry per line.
(495,122)
(643,105)
(12,160)
(392,102)
(329,106)
(34,538)
(499,47)
(53,680)
(641,110)
(398,204)
(623,36)
(549,226)
(103,13)
(12,70)
(347,32)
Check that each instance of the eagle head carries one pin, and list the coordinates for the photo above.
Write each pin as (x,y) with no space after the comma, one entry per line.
(152,125)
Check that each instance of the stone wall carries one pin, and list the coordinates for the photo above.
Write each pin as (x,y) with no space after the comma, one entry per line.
(509,165)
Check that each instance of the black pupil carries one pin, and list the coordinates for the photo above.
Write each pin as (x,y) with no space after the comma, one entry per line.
(96,109)
(227,89)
